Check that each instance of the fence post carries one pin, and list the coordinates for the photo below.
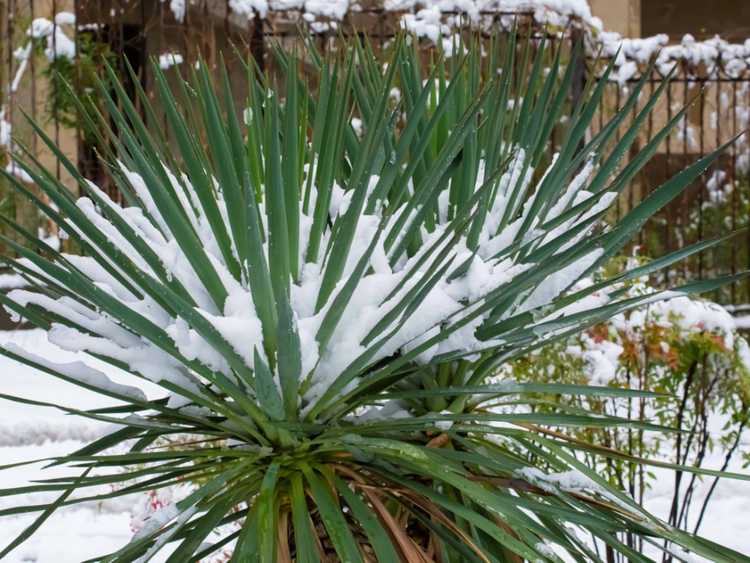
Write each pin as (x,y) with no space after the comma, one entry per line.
(257,42)
(26,213)
(578,61)
(579,64)
(3,85)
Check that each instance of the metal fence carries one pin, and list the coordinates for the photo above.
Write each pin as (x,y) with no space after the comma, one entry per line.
(116,30)
(718,113)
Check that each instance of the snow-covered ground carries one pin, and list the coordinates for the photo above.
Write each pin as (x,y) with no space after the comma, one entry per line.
(726,520)
(78,533)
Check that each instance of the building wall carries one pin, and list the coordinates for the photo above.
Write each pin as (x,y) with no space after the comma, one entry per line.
(31,97)
(622,16)
(33,90)
(701,18)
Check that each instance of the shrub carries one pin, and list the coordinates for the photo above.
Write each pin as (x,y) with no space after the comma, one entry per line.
(320,307)
(688,351)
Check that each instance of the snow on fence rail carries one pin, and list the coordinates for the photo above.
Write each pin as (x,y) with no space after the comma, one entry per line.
(712,75)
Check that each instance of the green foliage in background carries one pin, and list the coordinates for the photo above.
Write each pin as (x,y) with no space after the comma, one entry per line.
(691,355)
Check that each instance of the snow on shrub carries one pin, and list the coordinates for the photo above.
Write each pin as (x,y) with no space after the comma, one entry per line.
(687,349)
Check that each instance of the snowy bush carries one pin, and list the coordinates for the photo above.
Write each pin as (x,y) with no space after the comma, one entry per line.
(319,308)
(686,350)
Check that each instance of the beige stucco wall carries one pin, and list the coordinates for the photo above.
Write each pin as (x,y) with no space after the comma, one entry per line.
(30,98)
(622,16)
(34,89)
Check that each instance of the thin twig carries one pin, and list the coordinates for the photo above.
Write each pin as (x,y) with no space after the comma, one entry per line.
(724,466)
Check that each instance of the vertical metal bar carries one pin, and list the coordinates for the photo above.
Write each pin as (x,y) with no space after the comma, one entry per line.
(55,116)
(618,106)
(257,42)
(579,67)
(159,51)
(226,25)
(93,166)
(381,27)
(77,81)
(143,62)
(701,180)
(117,26)
(747,239)
(579,71)
(685,196)
(10,19)
(32,70)
(631,195)
(716,123)
(667,158)
(644,187)
(602,110)
(186,24)
(735,186)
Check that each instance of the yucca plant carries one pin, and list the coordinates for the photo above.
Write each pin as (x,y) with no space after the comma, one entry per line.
(325,307)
